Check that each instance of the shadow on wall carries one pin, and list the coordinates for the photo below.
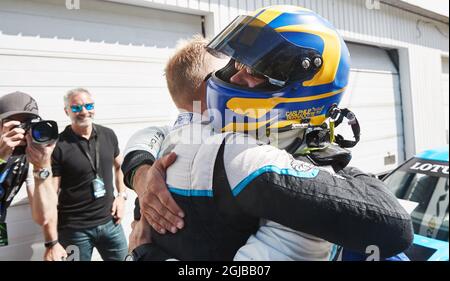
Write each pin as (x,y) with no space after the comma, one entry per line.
(96,21)
(16,253)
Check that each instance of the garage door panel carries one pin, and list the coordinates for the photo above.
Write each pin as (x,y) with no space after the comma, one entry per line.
(377,149)
(113,94)
(10,44)
(374,95)
(376,163)
(73,63)
(370,88)
(364,57)
(96,74)
(149,97)
(112,103)
(374,120)
(97,22)
(387,131)
(378,112)
(116,51)
(114,112)
(44,79)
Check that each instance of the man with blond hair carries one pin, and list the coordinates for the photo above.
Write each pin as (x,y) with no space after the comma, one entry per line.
(215,182)
(187,69)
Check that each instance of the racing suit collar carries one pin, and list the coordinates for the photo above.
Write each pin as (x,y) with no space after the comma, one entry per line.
(280,140)
(186,118)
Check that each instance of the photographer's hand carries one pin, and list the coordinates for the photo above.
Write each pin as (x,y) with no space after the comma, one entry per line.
(39,155)
(11,138)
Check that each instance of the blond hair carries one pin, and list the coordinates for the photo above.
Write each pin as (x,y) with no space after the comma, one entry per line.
(186,70)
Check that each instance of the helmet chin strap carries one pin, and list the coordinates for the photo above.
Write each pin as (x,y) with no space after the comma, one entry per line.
(318,143)
(314,144)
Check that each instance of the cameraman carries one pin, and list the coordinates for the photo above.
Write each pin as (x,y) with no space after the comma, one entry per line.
(17,152)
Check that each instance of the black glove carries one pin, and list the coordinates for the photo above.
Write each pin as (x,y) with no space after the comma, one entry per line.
(334,156)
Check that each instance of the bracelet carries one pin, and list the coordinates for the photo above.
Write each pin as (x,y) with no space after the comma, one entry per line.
(132,177)
(50,244)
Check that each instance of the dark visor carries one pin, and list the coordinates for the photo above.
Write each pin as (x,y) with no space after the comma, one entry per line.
(255,44)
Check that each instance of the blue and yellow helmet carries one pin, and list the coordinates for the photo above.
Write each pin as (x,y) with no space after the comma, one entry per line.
(303,58)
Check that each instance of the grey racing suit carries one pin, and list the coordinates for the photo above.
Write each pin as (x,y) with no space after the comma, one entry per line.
(227,182)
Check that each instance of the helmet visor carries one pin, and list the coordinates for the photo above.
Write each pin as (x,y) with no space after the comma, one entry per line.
(252,42)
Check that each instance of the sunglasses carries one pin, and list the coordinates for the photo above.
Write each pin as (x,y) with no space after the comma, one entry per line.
(79,107)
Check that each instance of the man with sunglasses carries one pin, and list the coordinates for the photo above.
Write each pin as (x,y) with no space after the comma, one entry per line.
(82,163)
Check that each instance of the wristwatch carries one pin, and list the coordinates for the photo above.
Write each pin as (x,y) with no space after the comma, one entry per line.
(42,173)
(123,195)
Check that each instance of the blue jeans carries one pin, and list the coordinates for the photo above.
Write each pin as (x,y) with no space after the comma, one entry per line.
(108,238)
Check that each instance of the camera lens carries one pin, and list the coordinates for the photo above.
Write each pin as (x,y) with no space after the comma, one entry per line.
(44,132)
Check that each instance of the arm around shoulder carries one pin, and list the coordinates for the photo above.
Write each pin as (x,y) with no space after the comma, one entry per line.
(354,211)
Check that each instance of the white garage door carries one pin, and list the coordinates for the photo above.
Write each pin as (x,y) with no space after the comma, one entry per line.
(116,51)
(445,92)
(374,95)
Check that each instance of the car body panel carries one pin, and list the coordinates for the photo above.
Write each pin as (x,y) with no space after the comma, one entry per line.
(424,180)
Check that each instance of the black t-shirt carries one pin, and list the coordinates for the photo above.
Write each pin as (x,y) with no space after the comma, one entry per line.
(77,207)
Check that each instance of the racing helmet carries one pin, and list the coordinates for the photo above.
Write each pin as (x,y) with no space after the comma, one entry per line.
(302,57)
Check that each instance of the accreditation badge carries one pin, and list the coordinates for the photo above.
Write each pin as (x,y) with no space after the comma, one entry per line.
(98,188)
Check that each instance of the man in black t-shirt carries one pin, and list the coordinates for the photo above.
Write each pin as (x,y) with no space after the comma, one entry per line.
(88,213)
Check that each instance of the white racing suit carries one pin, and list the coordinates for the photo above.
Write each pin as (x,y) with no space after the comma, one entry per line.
(227,184)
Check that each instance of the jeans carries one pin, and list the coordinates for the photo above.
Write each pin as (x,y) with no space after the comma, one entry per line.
(108,238)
